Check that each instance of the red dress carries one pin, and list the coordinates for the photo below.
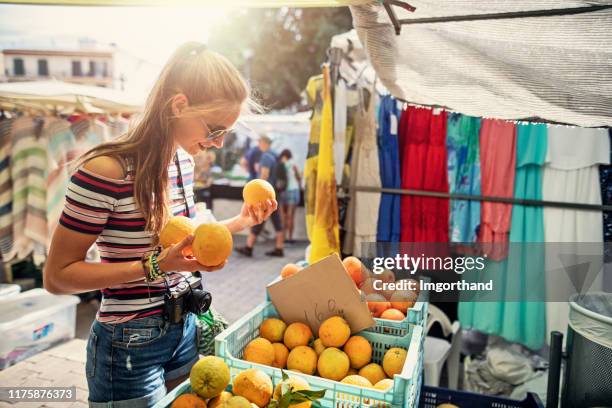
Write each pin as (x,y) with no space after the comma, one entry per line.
(424,167)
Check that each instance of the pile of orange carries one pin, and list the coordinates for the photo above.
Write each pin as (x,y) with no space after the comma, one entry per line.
(335,354)
(383,304)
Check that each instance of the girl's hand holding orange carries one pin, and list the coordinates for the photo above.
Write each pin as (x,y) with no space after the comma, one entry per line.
(251,215)
(172,259)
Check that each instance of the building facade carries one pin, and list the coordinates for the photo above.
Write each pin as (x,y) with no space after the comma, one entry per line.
(80,67)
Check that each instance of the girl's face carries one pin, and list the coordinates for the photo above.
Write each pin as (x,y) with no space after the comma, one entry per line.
(195,134)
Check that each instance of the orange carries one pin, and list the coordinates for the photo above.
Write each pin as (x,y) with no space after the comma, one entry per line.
(209,376)
(368,287)
(377,304)
(392,314)
(177,229)
(357,380)
(393,361)
(254,385)
(302,359)
(403,300)
(289,270)
(273,330)
(334,332)
(296,384)
(212,244)
(359,351)
(384,384)
(259,351)
(219,399)
(373,372)
(333,364)
(237,402)
(355,269)
(257,191)
(297,334)
(281,352)
(318,346)
(188,401)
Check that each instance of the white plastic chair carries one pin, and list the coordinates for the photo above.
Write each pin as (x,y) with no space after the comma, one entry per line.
(439,351)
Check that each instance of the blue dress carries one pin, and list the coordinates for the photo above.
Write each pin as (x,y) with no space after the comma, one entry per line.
(463,175)
(388,150)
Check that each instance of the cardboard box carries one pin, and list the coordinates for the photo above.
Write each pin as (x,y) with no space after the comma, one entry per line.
(318,292)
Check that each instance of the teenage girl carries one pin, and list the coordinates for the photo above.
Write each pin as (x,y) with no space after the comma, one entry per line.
(120,197)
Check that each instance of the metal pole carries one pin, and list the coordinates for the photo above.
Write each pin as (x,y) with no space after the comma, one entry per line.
(554,369)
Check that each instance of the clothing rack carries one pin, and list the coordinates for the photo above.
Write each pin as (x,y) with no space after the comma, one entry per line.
(468,197)
(398,23)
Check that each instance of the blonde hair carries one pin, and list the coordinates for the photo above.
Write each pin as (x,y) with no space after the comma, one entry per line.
(213,87)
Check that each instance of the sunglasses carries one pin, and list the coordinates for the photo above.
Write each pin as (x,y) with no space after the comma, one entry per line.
(214,134)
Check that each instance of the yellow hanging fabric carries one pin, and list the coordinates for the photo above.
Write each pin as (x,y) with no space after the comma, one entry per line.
(324,236)
(314,91)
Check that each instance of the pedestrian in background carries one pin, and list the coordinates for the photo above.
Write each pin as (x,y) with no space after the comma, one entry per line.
(290,198)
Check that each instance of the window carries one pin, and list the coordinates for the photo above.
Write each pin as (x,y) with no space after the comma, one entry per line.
(92,68)
(43,67)
(76,69)
(104,69)
(18,67)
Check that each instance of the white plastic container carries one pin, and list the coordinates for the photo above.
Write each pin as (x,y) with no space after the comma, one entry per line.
(33,321)
(8,290)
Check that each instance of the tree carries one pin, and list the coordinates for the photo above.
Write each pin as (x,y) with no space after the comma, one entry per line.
(279,49)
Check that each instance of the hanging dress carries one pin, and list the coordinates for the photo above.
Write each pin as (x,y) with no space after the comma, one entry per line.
(389,212)
(571,174)
(424,167)
(365,172)
(521,276)
(314,90)
(463,175)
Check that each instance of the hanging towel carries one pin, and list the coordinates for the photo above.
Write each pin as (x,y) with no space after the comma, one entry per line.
(497,166)
(6,189)
(463,175)
(571,174)
(424,167)
(29,176)
(389,212)
(324,238)
(315,99)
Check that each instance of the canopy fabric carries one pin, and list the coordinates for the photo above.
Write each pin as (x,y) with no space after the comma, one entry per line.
(191,3)
(56,93)
(556,68)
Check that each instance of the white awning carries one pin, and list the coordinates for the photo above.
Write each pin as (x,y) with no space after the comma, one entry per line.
(62,94)
(557,68)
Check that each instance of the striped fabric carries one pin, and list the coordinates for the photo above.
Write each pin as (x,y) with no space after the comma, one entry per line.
(557,68)
(107,208)
(28,174)
(6,189)
(66,143)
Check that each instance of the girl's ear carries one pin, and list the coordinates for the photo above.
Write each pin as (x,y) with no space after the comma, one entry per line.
(179,103)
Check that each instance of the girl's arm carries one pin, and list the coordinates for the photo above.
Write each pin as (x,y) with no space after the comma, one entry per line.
(250,215)
(66,272)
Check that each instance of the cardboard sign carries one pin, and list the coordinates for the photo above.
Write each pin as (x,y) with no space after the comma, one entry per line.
(318,292)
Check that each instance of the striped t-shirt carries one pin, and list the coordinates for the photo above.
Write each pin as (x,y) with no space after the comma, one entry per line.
(106,207)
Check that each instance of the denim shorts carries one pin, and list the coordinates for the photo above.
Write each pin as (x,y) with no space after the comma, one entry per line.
(128,363)
(290,197)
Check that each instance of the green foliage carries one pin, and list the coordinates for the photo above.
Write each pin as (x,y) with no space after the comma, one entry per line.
(287,46)
(290,397)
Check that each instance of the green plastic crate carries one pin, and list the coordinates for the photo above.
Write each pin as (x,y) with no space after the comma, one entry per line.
(230,344)
(417,315)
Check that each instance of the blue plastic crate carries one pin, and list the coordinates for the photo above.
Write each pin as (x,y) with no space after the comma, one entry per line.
(431,397)
(230,344)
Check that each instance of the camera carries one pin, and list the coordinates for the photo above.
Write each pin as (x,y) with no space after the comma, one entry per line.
(187,296)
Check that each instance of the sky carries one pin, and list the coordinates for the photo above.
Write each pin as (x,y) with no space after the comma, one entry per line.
(144,36)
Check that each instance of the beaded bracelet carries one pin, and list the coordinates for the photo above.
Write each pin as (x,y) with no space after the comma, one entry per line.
(151,266)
